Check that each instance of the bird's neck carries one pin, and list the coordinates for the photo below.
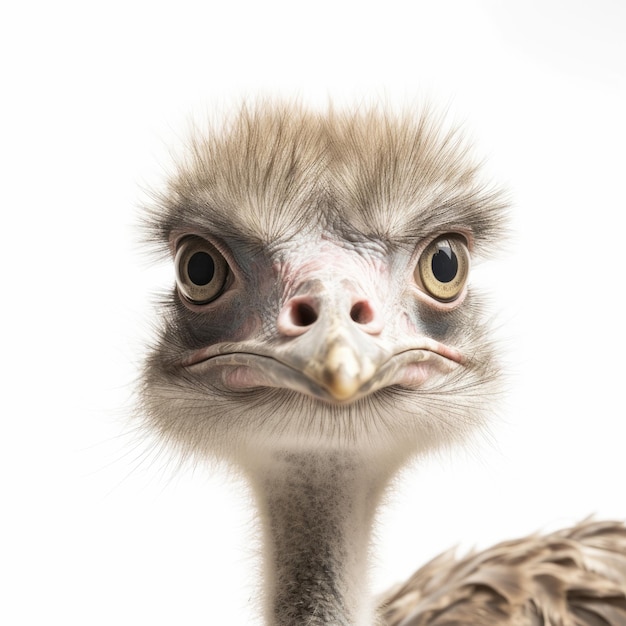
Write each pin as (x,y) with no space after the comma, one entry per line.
(317,512)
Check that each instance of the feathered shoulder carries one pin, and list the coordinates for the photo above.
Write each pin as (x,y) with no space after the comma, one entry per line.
(574,577)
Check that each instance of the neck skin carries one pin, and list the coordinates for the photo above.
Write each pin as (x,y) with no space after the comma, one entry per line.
(317,512)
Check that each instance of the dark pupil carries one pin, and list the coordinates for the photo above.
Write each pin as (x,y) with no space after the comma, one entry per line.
(201,268)
(444,264)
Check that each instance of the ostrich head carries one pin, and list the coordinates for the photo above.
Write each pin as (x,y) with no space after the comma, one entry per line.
(322,328)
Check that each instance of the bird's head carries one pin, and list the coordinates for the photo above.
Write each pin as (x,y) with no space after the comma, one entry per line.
(322,266)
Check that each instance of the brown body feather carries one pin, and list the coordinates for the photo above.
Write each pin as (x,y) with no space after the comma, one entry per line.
(574,577)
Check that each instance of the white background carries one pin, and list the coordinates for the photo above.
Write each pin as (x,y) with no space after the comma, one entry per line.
(98,527)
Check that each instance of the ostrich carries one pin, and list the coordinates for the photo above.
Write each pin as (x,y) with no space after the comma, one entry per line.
(321,334)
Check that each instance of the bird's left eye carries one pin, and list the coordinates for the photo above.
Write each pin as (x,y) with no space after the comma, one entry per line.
(201,270)
(443,267)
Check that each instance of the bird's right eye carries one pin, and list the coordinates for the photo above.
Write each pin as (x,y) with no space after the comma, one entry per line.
(201,270)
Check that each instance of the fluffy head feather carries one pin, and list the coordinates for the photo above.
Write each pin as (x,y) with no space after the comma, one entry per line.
(279,184)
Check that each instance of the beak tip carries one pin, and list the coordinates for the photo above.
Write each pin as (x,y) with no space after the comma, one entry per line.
(343,372)
(341,369)
(342,387)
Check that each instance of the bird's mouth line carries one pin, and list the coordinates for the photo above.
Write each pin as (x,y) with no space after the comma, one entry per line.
(247,369)
(230,349)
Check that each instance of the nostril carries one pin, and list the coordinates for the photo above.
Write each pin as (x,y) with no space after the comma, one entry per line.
(303,314)
(361,313)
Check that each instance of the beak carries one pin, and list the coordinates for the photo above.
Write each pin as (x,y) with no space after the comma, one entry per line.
(340,350)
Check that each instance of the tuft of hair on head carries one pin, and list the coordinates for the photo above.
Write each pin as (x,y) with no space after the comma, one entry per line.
(270,169)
